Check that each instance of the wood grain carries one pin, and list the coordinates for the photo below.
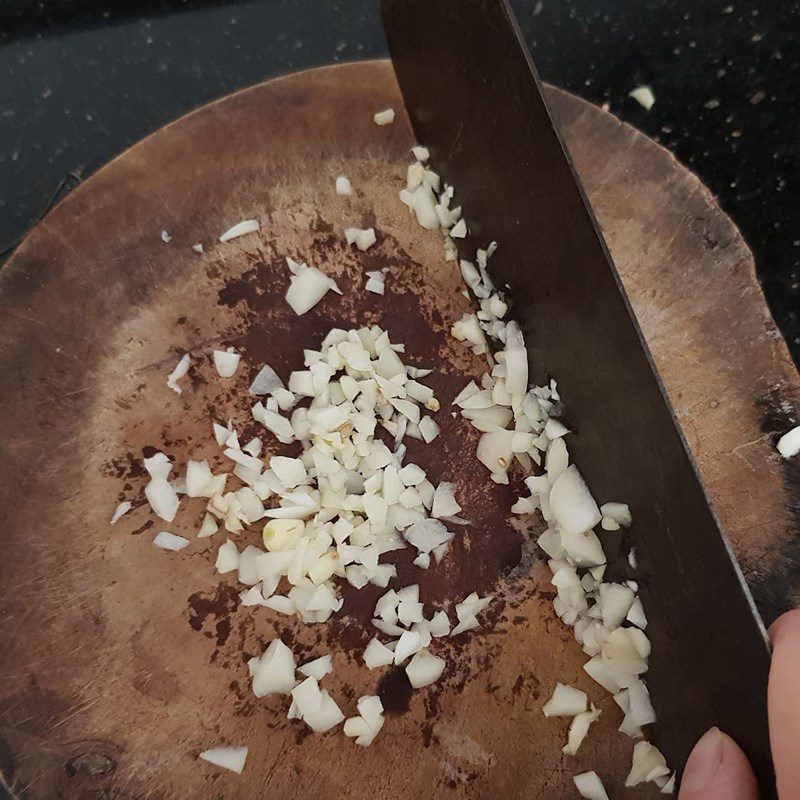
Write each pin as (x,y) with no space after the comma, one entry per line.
(692,282)
(122,662)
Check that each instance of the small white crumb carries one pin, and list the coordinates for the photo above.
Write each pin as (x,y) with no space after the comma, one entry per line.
(240,229)
(644,96)
(590,786)
(578,730)
(226,362)
(122,509)
(375,282)
(343,185)
(198,248)
(422,154)
(232,758)
(165,237)
(363,239)
(789,443)
(385,117)
(181,368)
(423,560)
(169,541)
(459,230)
(428,429)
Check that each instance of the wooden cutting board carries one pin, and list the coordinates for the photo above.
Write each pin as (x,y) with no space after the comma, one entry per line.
(121,662)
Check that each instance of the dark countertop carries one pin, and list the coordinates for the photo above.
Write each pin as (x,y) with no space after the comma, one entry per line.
(84,79)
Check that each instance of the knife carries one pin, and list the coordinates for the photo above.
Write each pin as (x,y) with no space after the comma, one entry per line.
(475,100)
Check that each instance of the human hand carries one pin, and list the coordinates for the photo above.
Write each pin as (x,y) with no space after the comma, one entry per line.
(717,769)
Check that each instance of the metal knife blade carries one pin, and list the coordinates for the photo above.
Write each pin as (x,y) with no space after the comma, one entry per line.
(475,100)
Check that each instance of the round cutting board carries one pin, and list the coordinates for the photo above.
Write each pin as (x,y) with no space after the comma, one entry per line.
(122,662)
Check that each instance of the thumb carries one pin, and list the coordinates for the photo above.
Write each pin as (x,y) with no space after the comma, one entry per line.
(717,769)
(784,702)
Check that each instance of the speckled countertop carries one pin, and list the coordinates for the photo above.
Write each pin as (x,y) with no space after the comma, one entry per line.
(83,79)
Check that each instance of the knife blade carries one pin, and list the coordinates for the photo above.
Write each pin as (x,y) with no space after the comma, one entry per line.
(475,100)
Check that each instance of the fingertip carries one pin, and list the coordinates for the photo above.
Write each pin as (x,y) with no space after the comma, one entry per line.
(787,624)
(783,701)
(736,763)
(717,769)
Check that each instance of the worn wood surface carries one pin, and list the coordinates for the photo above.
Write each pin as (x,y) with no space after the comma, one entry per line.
(692,282)
(122,662)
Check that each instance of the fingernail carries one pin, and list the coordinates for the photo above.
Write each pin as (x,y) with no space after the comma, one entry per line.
(704,762)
